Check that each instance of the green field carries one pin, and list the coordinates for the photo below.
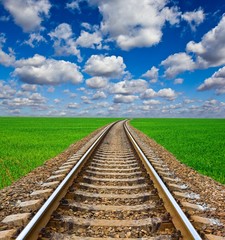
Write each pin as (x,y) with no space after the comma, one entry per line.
(199,143)
(26,143)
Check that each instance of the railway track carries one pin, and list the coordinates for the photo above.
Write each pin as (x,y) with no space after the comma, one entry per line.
(111,192)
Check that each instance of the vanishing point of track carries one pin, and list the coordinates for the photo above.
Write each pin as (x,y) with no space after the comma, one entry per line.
(112,192)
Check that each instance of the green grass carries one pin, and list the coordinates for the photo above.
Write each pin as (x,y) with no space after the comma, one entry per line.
(199,143)
(26,143)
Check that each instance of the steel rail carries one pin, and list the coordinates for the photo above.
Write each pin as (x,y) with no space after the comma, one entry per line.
(179,219)
(41,218)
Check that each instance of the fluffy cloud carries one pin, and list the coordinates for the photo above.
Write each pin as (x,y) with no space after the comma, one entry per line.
(74,5)
(73,105)
(6,59)
(152,74)
(131,26)
(178,81)
(99,95)
(105,66)
(97,82)
(39,70)
(35,100)
(216,81)
(178,63)
(151,102)
(194,18)
(166,93)
(35,38)
(211,50)
(119,98)
(129,87)
(6,91)
(89,40)
(28,14)
(29,88)
(64,43)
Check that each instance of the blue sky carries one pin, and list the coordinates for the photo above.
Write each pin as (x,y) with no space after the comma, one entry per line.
(130,58)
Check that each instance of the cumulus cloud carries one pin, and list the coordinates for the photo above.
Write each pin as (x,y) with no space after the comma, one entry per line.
(131,26)
(152,74)
(64,43)
(105,66)
(194,18)
(119,98)
(216,81)
(210,51)
(97,82)
(35,38)
(148,93)
(29,88)
(89,40)
(178,81)
(73,5)
(6,59)
(86,100)
(99,95)
(28,14)
(73,105)
(34,100)
(129,87)
(166,93)
(6,91)
(42,71)
(151,102)
(178,63)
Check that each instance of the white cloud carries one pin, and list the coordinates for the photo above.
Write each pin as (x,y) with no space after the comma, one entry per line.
(89,40)
(6,59)
(151,102)
(28,14)
(34,39)
(99,95)
(129,86)
(211,50)
(39,70)
(73,105)
(119,98)
(6,91)
(178,63)
(194,18)
(97,82)
(57,100)
(216,81)
(35,100)
(64,43)
(148,93)
(152,74)
(86,100)
(105,66)
(131,26)
(166,93)
(29,87)
(73,5)
(178,81)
